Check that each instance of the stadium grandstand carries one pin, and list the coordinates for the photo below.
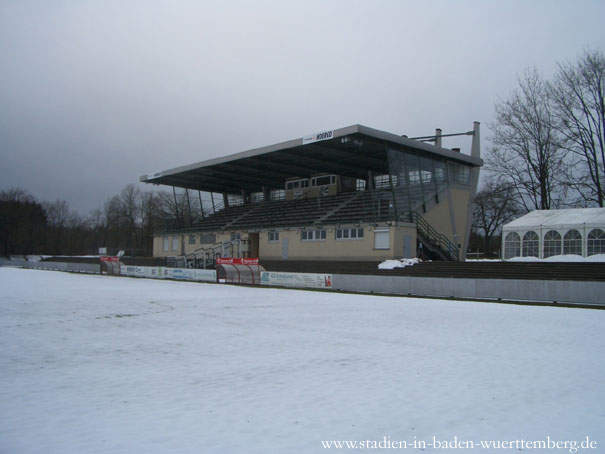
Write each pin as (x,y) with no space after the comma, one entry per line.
(349,194)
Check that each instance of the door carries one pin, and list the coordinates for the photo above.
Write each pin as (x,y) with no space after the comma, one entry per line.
(253,245)
(284,248)
(407,247)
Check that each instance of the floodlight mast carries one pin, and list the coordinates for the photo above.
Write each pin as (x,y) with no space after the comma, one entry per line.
(436,137)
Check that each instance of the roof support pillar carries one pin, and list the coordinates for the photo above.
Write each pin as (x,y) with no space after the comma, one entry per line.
(245,197)
(225,200)
(199,194)
(176,206)
(188,205)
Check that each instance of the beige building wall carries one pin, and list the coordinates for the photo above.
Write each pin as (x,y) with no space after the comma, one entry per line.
(449,216)
(338,249)
(401,242)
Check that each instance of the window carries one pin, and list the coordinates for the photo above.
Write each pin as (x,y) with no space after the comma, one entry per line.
(257,197)
(235,199)
(383,181)
(236,236)
(459,173)
(323,180)
(295,184)
(596,242)
(349,234)
(572,243)
(207,238)
(191,239)
(512,245)
(175,243)
(381,239)
(552,243)
(273,237)
(440,175)
(277,194)
(165,244)
(313,235)
(531,245)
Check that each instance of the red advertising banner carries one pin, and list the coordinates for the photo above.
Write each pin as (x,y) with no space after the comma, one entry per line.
(252,261)
(106,258)
(236,261)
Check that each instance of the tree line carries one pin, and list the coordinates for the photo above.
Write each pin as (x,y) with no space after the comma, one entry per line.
(126,221)
(547,147)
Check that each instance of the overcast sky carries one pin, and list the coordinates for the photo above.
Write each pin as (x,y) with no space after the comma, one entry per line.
(94,94)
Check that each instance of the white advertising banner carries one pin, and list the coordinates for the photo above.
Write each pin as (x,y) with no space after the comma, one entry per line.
(297,280)
(324,135)
(160,272)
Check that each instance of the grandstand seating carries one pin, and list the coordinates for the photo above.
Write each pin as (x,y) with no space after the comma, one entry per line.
(363,206)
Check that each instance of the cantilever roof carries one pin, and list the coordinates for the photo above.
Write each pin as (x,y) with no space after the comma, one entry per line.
(351,151)
(569,218)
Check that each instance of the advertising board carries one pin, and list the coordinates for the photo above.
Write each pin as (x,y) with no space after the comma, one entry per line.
(161,272)
(296,280)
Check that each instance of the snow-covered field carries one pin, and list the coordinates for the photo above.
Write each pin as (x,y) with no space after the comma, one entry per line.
(93,364)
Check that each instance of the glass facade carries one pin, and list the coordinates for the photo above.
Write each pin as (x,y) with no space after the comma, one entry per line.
(416,180)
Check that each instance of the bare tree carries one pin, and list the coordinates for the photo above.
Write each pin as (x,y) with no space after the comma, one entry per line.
(526,147)
(129,206)
(495,205)
(578,94)
(16,195)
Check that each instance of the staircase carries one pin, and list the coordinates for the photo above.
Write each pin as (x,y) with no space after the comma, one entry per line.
(435,242)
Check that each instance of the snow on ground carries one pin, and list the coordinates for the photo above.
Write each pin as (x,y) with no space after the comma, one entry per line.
(399,263)
(96,364)
(570,258)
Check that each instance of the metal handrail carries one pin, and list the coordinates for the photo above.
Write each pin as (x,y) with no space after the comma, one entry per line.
(209,254)
(433,236)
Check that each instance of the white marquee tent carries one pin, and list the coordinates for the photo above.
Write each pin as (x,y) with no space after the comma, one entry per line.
(546,233)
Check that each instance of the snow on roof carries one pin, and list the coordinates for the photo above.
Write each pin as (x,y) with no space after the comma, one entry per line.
(573,217)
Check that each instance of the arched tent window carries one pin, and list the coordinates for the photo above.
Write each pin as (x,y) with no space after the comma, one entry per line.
(512,245)
(552,243)
(531,245)
(572,243)
(596,242)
